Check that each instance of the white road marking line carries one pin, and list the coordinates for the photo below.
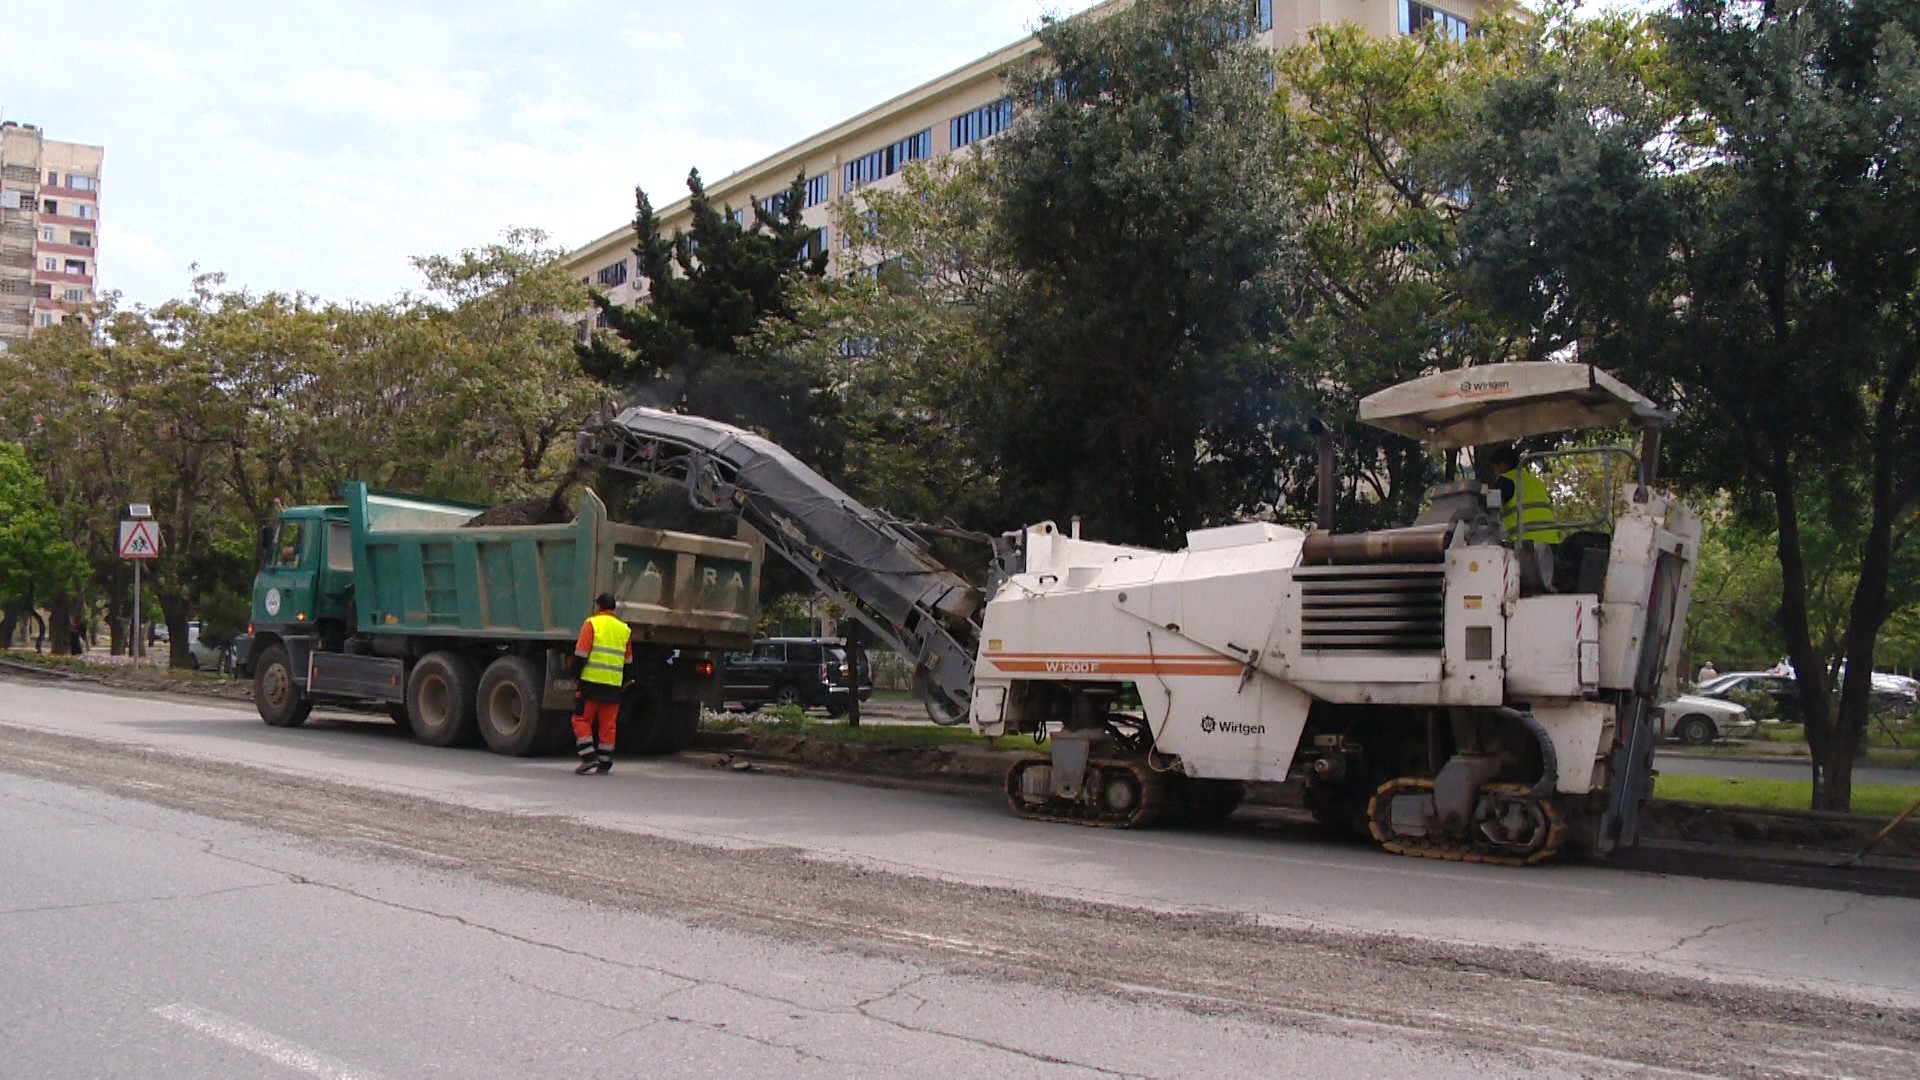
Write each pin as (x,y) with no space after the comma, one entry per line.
(264,1043)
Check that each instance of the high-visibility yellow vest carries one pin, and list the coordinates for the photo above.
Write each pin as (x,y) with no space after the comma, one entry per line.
(1531,498)
(607,662)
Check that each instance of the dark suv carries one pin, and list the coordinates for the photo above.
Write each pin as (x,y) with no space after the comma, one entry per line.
(809,672)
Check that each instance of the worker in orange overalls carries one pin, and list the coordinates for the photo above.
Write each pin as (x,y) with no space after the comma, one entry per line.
(600,657)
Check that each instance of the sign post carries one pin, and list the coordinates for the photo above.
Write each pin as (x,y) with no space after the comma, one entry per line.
(139,541)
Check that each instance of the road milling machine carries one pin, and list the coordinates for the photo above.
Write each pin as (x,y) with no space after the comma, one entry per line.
(1450,688)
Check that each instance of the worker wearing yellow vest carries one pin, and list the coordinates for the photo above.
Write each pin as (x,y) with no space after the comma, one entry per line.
(600,659)
(1524,499)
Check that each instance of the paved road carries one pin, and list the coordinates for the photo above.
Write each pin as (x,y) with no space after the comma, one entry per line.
(200,891)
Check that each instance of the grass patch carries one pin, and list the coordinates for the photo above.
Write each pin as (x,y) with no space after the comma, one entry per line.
(916,735)
(114,667)
(1881,800)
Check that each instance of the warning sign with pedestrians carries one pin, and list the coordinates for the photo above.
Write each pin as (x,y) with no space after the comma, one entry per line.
(139,540)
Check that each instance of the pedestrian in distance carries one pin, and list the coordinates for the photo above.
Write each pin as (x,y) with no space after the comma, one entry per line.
(602,659)
(1708,673)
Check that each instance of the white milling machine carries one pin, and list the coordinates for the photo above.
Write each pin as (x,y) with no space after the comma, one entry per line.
(1453,691)
(1456,692)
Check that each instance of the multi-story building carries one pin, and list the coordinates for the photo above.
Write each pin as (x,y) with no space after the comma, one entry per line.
(49,230)
(952,113)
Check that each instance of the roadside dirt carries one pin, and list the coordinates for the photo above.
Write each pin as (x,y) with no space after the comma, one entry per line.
(1536,1010)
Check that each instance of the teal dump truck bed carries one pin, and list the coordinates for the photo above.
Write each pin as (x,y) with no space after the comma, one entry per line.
(420,570)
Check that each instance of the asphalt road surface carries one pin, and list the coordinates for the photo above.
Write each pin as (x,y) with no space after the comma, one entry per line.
(188,892)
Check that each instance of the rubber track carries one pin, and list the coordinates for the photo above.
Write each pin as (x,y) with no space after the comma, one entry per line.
(1379,811)
(1153,797)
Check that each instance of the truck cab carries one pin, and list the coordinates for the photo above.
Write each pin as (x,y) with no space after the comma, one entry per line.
(305,581)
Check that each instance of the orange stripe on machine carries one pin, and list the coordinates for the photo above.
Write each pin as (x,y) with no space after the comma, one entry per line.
(1113,664)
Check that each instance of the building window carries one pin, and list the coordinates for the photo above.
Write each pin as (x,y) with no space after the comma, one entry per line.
(53,179)
(45,318)
(50,264)
(738,217)
(46,234)
(816,244)
(85,211)
(774,206)
(613,275)
(81,239)
(80,183)
(971,127)
(11,199)
(817,190)
(1264,11)
(75,266)
(887,160)
(1416,17)
(74,296)
(50,206)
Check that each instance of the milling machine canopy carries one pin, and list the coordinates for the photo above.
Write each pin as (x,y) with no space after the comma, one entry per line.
(1506,402)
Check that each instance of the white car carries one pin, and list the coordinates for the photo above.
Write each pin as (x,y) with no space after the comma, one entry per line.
(1697,720)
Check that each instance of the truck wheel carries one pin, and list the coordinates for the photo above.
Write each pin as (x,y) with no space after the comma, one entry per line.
(674,725)
(787,695)
(508,708)
(275,693)
(1695,730)
(440,699)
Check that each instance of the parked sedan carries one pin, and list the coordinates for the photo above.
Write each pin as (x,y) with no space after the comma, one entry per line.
(1697,720)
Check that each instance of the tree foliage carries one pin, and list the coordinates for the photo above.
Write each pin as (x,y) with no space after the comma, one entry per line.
(1149,227)
(220,406)
(708,289)
(1723,204)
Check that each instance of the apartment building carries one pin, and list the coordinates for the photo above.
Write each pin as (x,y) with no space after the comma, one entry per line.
(952,113)
(49,230)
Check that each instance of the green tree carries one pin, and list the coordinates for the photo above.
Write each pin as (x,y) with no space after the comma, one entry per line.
(1148,223)
(1741,234)
(906,347)
(506,321)
(36,561)
(708,289)
(1371,125)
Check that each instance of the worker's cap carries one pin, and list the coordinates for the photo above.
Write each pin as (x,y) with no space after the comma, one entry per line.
(603,602)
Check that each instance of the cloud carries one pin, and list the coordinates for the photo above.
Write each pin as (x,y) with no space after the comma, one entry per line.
(654,40)
(316,148)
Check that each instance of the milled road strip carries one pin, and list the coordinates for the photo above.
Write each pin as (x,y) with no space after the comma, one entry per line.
(1307,977)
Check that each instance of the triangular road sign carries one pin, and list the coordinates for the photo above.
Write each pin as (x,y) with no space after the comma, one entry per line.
(139,540)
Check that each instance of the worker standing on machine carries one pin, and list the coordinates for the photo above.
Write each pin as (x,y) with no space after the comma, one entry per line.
(1524,499)
(601,658)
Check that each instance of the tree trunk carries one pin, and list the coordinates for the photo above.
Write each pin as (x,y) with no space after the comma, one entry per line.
(60,624)
(174,611)
(9,622)
(1809,670)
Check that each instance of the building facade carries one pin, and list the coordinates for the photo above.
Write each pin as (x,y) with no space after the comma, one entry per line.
(952,113)
(49,230)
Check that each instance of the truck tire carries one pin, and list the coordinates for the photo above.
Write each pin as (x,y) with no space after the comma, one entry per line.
(508,707)
(440,699)
(275,694)
(1694,730)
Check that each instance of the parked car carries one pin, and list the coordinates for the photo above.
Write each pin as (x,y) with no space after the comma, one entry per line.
(208,655)
(809,672)
(1697,720)
(1894,694)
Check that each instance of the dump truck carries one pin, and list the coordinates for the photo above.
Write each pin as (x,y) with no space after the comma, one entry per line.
(1472,685)
(462,631)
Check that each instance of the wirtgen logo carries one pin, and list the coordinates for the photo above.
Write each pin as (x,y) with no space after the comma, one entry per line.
(1230,727)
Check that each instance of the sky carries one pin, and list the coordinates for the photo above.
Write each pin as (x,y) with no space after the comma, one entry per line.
(317,147)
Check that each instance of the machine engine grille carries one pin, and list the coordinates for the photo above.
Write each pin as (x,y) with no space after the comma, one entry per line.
(1398,609)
